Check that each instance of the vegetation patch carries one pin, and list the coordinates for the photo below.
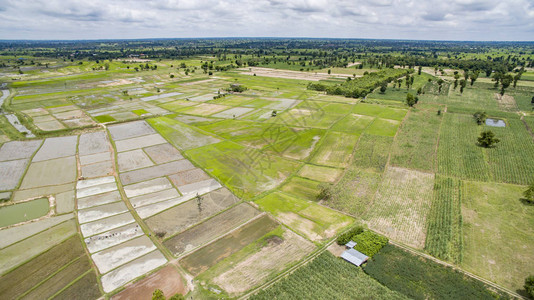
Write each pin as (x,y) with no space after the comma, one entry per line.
(494,216)
(204,258)
(105,119)
(327,277)
(444,234)
(401,206)
(419,278)
(306,217)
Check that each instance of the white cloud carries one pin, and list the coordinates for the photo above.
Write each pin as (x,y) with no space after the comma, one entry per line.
(402,19)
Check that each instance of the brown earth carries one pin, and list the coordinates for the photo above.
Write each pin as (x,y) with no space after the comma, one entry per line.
(168,280)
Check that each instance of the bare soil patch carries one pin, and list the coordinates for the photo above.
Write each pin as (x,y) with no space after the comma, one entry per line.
(168,280)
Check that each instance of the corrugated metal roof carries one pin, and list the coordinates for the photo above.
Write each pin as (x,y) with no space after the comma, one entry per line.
(355,257)
(351,244)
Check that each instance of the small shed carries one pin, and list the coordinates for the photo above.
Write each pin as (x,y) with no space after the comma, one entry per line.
(350,244)
(355,257)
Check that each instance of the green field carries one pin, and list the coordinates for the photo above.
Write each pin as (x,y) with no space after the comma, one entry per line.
(337,279)
(494,215)
(420,278)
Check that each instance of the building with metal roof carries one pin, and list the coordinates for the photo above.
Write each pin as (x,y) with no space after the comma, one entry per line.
(350,244)
(354,257)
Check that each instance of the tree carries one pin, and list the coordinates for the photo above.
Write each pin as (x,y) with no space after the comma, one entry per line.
(383,88)
(440,84)
(473,77)
(419,70)
(529,194)
(532,101)
(487,139)
(410,100)
(274,113)
(480,117)
(177,297)
(158,295)
(529,285)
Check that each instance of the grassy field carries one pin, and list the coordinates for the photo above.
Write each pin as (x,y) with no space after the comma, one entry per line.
(337,279)
(335,150)
(417,139)
(313,221)
(494,215)
(401,206)
(458,154)
(246,171)
(372,152)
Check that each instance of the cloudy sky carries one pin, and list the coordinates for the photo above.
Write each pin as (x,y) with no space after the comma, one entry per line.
(390,19)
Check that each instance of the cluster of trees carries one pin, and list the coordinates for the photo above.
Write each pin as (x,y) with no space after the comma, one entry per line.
(360,87)
(158,295)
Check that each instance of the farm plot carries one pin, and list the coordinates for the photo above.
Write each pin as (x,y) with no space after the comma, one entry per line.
(246,171)
(335,149)
(409,274)
(185,215)
(206,257)
(302,188)
(135,268)
(308,116)
(493,215)
(116,243)
(48,273)
(444,234)
(306,217)
(18,253)
(380,111)
(59,117)
(401,206)
(147,173)
(180,135)
(14,158)
(24,211)
(416,143)
(354,193)
(126,110)
(353,124)
(298,146)
(233,113)
(94,152)
(259,260)
(320,173)
(372,152)
(168,280)
(210,229)
(383,127)
(11,172)
(512,161)
(337,279)
(204,109)
(53,164)
(458,154)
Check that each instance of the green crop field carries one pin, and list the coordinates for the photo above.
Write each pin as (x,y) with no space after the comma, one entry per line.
(336,278)
(417,140)
(409,275)
(444,233)
(458,154)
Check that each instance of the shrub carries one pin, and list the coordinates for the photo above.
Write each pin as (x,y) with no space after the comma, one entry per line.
(529,286)
(349,235)
(369,243)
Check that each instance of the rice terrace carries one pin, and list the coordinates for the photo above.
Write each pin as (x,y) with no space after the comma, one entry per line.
(266,168)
